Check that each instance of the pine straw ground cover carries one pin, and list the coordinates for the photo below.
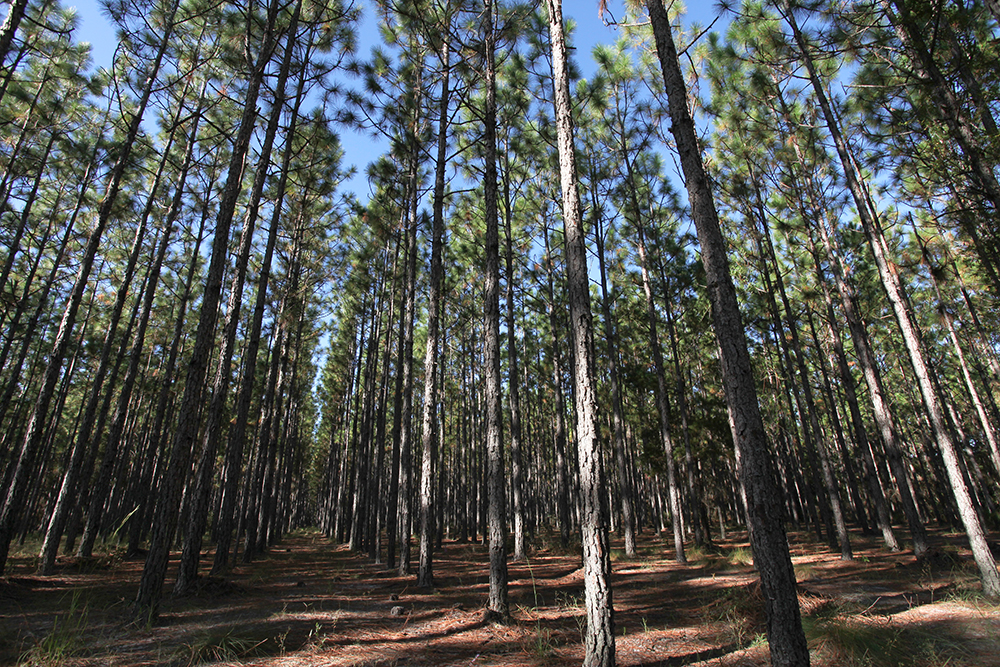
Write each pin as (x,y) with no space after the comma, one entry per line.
(311,602)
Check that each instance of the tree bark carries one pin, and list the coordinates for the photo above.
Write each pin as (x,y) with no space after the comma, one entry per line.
(767,534)
(146,606)
(497,606)
(599,638)
(425,574)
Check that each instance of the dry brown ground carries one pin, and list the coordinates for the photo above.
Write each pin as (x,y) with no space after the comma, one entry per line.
(314,603)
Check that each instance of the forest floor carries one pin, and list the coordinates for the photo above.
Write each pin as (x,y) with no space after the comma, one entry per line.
(311,602)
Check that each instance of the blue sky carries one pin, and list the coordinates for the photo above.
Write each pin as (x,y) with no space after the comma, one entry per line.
(590,31)
(96,29)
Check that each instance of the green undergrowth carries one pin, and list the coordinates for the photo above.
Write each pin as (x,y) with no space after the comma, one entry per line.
(715,557)
(64,641)
(878,642)
(740,612)
(226,644)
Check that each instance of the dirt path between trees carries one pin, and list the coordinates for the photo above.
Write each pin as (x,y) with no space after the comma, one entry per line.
(310,602)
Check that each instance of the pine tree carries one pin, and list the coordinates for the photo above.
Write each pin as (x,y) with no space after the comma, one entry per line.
(599,639)
(767,533)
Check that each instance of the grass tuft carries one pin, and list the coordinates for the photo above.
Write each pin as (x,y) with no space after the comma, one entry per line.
(218,645)
(740,609)
(64,642)
(741,556)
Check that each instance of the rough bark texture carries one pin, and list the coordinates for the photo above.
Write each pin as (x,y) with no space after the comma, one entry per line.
(15,13)
(767,532)
(599,639)
(497,606)
(425,574)
(147,601)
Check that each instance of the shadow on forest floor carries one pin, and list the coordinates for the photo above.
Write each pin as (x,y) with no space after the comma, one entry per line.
(310,602)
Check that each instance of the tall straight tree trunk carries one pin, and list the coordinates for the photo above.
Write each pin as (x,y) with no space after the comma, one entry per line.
(13,324)
(599,638)
(829,482)
(25,216)
(202,482)
(29,335)
(425,573)
(406,350)
(662,398)
(559,437)
(497,606)
(984,421)
(817,504)
(350,448)
(767,533)
(378,518)
(662,401)
(149,462)
(985,348)
(513,380)
(862,444)
(34,433)
(236,443)
(617,417)
(514,384)
(392,504)
(116,432)
(911,337)
(699,511)
(256,480)
(834,409)
(147,602)
(30,119)
(884,419)
(363,450)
